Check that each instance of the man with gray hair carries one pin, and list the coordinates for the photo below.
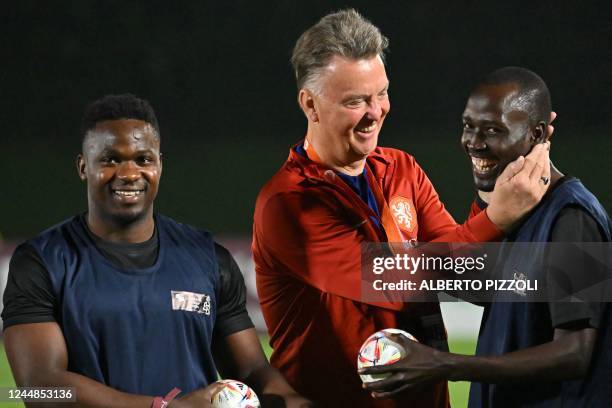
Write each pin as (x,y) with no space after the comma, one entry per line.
(338,190)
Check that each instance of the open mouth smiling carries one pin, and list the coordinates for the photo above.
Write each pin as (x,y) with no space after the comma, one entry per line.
(483,166)
(127,194)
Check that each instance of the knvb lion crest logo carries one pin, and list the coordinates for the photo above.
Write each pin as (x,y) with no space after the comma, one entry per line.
(404,213)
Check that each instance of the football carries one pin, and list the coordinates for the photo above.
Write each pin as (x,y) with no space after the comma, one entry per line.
(379,349)
(235,394)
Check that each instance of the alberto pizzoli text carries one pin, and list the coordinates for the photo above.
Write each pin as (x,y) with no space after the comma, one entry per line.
(411,264)
(513,285)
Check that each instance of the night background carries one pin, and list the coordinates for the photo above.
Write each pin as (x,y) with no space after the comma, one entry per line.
(219,78)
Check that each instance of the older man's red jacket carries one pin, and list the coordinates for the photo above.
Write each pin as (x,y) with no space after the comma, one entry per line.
(307,232)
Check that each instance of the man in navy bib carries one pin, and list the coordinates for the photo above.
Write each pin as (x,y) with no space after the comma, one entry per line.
(124,304)
(529,354)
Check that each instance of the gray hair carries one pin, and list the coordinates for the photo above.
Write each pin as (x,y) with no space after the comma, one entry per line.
(345,33)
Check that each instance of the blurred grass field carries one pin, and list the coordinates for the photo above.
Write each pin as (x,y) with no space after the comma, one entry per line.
(6,378)
(458,390)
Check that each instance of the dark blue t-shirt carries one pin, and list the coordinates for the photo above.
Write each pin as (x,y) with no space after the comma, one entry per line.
(142,331)
(512,326)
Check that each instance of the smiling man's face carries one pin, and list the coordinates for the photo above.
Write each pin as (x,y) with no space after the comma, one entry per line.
(495,132)
(351,107)
(121,163)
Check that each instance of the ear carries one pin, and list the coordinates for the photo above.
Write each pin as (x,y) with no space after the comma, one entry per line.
(538,133)
(80,164)
(307,103)
(161,162)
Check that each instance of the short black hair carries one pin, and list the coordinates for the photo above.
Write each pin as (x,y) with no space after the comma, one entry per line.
(533,96)
(113,107)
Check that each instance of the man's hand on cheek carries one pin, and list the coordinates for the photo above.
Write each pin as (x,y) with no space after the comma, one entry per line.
(520,187)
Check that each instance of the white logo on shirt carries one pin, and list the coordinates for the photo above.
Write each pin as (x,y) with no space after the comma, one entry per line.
(403,212)
(191,302)
(520,277)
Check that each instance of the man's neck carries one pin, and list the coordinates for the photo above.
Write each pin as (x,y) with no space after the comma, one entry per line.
(351,169)
(484,195)
(352,166)
(111,230)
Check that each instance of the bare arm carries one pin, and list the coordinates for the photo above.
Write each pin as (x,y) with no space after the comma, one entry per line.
(241,357)
(567,356)
(38,357)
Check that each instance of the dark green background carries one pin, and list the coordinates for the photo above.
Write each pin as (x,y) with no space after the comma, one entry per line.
(218,76)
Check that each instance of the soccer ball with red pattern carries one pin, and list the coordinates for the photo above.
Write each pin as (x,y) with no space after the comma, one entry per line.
(378,350)
(235,394)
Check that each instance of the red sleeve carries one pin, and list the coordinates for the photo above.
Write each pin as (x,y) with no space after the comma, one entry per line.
(437,225)
(302,237)
(474,210)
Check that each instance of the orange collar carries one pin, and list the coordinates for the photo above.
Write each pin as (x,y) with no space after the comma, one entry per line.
(389,224)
